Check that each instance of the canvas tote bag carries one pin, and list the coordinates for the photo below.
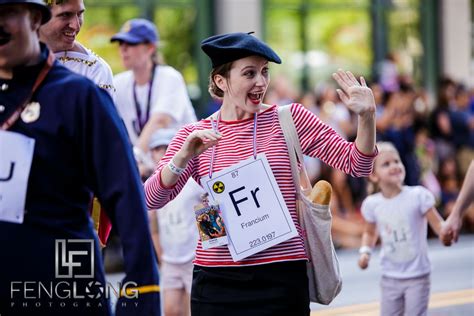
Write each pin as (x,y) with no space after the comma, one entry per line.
(325,281)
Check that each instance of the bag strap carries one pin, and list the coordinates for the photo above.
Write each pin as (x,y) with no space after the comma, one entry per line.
(300,177)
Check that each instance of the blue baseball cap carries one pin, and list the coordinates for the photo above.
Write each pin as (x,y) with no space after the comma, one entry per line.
(137,31)
(225,48)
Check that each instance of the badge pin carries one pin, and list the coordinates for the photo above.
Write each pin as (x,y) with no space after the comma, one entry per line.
(31,112)
(218,187)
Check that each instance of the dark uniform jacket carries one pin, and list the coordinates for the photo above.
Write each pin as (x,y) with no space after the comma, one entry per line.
(81,148)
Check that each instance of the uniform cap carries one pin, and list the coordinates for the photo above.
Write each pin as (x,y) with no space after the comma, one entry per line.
(45,11)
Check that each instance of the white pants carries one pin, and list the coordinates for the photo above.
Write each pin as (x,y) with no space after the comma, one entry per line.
(405,296)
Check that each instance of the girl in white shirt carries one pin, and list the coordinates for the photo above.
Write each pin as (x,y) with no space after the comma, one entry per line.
(399,214)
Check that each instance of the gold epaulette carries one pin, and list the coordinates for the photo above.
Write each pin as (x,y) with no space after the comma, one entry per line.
(88,63)
(106,86)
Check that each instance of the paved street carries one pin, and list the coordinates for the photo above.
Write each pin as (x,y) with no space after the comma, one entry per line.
(452,282)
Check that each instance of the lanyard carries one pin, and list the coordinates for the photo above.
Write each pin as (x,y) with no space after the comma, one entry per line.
(215,127)
(141,121)
(41,76)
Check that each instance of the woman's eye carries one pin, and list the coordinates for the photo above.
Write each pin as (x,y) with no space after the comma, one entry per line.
(249,73)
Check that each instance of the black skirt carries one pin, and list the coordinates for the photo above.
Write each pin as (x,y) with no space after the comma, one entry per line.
(269,289)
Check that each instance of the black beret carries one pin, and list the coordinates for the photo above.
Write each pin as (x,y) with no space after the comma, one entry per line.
(225,48)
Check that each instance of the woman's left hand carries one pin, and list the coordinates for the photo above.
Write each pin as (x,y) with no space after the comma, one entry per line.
(355,95)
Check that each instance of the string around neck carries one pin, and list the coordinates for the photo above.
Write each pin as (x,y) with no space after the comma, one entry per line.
(143,119)
(215,127)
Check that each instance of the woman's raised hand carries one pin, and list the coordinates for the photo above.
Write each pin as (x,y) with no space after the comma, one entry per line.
(198,142)
(354,94)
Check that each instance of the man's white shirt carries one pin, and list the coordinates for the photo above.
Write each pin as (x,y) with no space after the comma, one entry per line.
(169,96)
(90,65)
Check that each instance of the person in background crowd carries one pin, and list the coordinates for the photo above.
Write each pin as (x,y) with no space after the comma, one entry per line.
(462,127)
(65,143)
(389,74)
(67,17)
(150,96)
(461,206)
(439,124)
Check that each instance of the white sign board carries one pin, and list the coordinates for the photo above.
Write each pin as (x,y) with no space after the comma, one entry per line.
(15,164)
(255,213)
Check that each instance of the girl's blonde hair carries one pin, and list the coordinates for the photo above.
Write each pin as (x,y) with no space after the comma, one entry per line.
(372,187)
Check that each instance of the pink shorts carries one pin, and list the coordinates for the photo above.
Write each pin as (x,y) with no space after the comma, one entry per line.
(405,296)
(176,276)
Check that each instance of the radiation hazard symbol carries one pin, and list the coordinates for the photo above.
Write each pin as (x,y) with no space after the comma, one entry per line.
(218,187)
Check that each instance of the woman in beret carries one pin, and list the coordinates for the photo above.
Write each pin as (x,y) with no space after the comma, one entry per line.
(272,281)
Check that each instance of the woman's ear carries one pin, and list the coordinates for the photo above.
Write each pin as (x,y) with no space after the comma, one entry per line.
(221,82)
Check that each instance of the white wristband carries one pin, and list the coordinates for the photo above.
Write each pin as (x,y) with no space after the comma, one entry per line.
(365,249)
(175,169)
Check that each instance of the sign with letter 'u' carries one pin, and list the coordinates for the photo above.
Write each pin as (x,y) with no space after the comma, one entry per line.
(16,156)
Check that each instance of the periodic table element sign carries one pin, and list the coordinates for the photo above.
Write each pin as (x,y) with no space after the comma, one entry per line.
(254,211)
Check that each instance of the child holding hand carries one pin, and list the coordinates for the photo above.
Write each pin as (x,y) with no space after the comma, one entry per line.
(399,214)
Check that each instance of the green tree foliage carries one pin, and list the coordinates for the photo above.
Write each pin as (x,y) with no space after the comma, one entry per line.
(175,22)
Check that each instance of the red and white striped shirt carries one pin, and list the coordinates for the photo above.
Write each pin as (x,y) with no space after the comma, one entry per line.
(317,140)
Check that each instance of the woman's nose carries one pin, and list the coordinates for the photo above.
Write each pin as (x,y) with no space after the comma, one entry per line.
(261,80)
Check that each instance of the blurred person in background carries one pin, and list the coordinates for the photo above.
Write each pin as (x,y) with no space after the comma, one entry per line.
(389,74)
(281,91)
(396,124)
(462,206)
(67,17)
(150,95)
(60,35)
(62,141)
(333,112)
(425,150)
(313,165)
(462,126)
(174,233)
(439,123)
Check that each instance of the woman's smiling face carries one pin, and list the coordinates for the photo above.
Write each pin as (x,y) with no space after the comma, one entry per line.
(246,84)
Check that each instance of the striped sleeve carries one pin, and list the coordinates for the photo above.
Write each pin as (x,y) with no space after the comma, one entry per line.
(321,141)
(156,194)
